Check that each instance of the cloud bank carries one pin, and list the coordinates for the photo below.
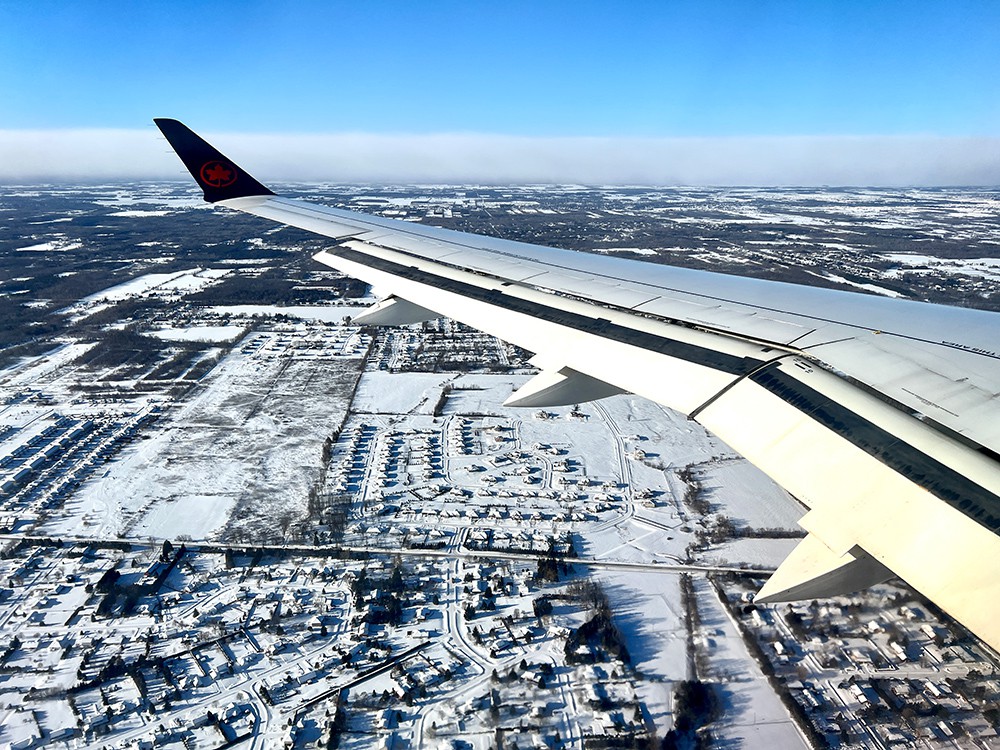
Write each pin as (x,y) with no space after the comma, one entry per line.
(891,161)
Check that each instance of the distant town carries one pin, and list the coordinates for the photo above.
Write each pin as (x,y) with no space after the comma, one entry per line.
(231,517)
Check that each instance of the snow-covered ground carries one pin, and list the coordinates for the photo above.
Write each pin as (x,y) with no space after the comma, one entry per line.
(753,715)
(634,250)
(648,611)
(241,453)
(57,246)
(388,393)
(748,496)
(325,313)
(167,285)
(987,268)
(215,334)
(41,371)
(764,553)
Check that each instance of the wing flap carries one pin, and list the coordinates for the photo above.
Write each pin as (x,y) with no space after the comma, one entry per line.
(741,322)
(422,246)
(394,311)
(814,571)
(560,387)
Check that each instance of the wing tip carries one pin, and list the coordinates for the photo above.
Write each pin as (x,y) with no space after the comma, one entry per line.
(219,177)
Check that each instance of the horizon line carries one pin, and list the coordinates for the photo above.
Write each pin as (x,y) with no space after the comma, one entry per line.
(898,161)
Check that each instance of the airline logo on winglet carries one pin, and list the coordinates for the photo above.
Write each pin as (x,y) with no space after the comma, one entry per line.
(218,174)
(218,177)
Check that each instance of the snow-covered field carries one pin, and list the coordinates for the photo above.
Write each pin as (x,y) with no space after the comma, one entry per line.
(753,715)
(167,285)
(648,611)
(36,372)
(325,313)
(236,460)
(987,268)
(57,246)
(214,334)
(388,393)
(745,494)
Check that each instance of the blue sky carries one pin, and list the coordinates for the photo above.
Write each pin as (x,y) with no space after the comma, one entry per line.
(527,69)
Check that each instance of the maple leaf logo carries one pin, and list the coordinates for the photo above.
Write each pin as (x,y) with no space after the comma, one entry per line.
(218,174)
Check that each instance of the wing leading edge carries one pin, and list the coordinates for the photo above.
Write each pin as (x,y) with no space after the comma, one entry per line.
(880,415)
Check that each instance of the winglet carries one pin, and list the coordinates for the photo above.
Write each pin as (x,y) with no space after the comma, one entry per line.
(217,176)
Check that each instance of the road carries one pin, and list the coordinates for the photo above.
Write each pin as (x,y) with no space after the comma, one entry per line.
(325,552)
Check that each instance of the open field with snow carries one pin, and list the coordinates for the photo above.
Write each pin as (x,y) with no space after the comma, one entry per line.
(235,461)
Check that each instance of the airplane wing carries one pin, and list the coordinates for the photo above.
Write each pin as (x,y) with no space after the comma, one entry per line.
(880,415)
